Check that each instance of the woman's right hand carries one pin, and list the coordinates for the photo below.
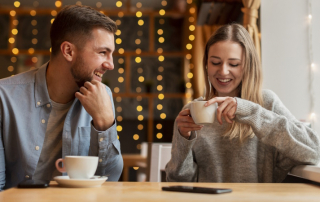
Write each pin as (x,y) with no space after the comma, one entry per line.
(186,124)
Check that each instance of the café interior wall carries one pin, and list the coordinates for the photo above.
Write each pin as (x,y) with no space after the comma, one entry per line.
(285,54)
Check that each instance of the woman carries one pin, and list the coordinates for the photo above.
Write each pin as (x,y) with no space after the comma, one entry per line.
(254,138)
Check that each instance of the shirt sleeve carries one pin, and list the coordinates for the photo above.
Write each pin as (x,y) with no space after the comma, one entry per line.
(295,142)
(2,159)
(106,146)
(182,167)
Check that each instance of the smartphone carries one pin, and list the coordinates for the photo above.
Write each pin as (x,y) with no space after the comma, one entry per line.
(34,184)
(206,190)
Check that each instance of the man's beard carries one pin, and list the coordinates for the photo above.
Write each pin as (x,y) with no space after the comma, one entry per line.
(78,71)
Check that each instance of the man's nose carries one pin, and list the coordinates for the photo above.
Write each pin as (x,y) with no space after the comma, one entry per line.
(108,65)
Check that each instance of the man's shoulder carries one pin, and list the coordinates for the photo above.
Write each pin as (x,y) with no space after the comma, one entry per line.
(21,78)
(108,89)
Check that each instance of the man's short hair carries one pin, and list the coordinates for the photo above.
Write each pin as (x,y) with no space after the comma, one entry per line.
(75,24)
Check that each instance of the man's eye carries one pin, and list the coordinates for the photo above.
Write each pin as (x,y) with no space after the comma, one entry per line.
(103,52)
(234,65)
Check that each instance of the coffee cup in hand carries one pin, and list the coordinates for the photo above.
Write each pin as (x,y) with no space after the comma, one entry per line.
(202,115)
(78,167)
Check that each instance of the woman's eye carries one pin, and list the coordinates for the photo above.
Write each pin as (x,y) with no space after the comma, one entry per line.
(215,63)
(234,65)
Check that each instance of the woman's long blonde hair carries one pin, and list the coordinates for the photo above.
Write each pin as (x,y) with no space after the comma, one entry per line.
(250,87)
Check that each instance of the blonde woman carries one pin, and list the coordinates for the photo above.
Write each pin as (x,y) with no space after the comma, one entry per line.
(254,138)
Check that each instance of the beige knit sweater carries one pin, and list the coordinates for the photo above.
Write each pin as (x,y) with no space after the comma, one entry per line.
(280,142)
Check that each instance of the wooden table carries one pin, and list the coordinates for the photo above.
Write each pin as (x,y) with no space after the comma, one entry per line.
(132,160)
(151,191)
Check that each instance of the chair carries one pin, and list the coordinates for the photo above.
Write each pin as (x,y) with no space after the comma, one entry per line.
(160,156)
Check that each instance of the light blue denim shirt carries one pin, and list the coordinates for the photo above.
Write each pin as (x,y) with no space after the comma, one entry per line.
(24,111)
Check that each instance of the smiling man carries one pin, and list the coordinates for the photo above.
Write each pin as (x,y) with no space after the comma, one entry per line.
(62,108)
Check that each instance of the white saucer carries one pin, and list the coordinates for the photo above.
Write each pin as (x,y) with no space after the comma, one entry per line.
(65,181)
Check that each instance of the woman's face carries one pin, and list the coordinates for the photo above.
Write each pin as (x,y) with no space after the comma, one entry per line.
(225,67)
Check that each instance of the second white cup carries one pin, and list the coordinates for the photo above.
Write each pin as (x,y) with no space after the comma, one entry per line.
(202,115)
(78,167)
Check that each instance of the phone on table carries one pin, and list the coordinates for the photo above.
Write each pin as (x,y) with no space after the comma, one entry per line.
(34,184)
(191,189)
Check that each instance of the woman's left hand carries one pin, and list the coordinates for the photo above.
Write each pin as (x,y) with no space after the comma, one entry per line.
(227,107)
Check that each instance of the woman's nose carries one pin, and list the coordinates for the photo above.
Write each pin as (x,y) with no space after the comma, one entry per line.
(224,69)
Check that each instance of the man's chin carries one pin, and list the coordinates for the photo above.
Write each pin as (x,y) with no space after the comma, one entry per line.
(97,78)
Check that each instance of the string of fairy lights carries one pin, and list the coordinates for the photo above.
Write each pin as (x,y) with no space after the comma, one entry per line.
(161,58)
(189,47)
(141,79)
(116,89)
(312,65)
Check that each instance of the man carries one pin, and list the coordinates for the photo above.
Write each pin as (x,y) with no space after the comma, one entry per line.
(62,108)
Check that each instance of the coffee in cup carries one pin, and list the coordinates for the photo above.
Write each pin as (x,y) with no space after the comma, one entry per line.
(78,167)
(202,115)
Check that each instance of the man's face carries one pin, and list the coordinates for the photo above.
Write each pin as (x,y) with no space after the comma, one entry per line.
(95,58)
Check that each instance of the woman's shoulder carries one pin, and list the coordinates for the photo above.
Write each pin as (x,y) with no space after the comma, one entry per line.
(267,93)
(269,98)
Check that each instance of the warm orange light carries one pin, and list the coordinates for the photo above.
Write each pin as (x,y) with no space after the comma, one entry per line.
(58,4)
(119,4)
(162,12)
(31,50)
(14,31)
(139,14)
(16,4)
(13,13)
(33,13)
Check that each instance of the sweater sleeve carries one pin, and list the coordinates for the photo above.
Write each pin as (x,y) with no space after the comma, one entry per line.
(274,125)
(181,167)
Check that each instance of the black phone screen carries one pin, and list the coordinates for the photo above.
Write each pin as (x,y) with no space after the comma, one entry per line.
(191,189)
(34,184)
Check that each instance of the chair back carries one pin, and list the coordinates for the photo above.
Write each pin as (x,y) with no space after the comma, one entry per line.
(160,156)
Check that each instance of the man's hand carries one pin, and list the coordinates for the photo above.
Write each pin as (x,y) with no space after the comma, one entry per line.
(96,101)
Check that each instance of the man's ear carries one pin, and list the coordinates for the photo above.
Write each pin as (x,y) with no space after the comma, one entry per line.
(68,50)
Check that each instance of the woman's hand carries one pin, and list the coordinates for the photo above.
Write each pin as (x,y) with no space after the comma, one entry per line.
(227,107)
(186,124)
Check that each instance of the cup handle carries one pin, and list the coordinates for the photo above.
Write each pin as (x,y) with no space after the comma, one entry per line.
(60,169)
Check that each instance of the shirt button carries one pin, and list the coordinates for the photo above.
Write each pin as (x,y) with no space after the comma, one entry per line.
(27,176)
(37,148)
(43,121)
(48,105)
(100,160)
(38,103)
(101,139)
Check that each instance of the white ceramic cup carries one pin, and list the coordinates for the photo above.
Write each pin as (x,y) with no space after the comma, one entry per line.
(202,115)
(78,167)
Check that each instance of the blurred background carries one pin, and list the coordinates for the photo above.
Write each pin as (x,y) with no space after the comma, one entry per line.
(159,50)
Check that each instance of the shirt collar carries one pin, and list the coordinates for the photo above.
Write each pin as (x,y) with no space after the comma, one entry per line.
(41,94)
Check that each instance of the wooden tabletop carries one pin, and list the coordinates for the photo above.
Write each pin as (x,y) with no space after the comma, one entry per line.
(151,191)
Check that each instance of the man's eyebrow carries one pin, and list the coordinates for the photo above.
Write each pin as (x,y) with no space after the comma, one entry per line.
(105,48)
